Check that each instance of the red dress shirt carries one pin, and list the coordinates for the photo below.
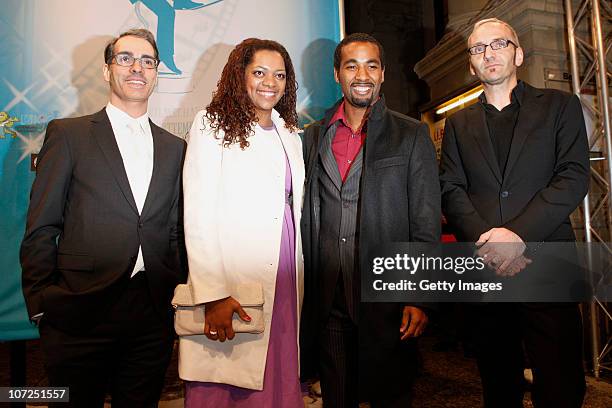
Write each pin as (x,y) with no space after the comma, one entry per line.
(346,143)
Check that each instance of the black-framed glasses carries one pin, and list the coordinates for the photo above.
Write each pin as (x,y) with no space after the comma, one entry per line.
(127,60)
(495,45)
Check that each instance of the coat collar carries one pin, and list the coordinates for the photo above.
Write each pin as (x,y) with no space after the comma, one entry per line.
(292,145)
(376,113)
(278,121)
(325,138)
(516,95)
(524,125)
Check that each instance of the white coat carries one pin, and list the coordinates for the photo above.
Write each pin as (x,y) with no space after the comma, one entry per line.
(234,205)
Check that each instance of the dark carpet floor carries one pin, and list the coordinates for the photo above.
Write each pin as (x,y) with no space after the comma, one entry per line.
(449,379)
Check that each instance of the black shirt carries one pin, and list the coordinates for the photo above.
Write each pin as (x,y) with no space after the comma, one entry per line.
(501,123)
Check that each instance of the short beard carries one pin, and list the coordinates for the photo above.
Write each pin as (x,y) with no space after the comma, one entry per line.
(359,103)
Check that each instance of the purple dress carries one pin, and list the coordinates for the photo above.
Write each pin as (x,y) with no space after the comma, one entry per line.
(281,383)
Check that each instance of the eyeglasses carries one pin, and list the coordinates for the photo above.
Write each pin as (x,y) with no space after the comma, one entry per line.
(495,45)
(127,60)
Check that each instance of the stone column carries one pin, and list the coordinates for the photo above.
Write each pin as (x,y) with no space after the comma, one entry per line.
(541,29)
(461,12)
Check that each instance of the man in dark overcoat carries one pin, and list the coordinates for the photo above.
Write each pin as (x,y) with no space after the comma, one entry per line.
(371,179)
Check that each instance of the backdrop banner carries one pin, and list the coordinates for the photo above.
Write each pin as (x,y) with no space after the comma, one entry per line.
(52,57)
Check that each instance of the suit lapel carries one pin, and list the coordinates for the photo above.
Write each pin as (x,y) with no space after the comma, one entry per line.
(324,150)
(479,121)
(373,133)
(154,186)
(524,125)
(294,155)
(104,136)
(357,164)
(328,160)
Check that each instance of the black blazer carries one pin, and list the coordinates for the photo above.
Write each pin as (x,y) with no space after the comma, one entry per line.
(399,202)
(83,228)
(546,176)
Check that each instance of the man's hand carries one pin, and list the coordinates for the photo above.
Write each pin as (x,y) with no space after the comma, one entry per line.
(501,247)
(414,321)
(218,316)
(515,266)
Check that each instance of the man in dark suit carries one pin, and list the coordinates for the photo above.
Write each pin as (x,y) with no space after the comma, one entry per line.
(100,256)
(513,168)
(370,179)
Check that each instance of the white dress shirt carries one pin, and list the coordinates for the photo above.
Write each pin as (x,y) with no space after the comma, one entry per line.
(135,142)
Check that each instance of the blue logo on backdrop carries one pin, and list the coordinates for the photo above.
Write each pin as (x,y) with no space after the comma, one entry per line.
(166,15)
(58,75)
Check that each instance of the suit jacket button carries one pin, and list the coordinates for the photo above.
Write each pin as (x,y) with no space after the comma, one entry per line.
(140,224)
(505,194)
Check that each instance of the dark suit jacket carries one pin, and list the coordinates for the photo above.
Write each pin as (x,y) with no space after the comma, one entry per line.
(83,228)
(399,202)
(546,176)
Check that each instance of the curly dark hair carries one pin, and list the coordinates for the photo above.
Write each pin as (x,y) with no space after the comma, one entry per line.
(231,110)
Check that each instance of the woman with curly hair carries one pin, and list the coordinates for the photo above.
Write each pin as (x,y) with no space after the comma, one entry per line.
(243,180)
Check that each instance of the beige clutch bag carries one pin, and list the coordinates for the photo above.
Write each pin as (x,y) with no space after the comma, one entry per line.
(189,317)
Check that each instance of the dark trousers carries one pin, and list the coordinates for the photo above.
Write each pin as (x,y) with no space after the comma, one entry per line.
(339,362)
(550,335)
(127,353)
(338,355)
